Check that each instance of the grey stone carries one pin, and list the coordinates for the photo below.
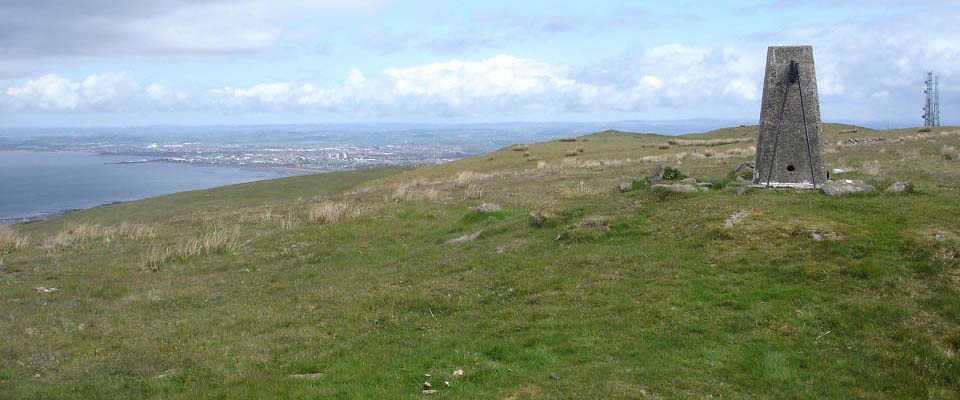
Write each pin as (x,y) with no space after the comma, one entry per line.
(790,143)
(689,181)
(837,188)
(488,208)
(873,181)
(704,184)
(465,238)
(623,187)
(736,218)
(675,188)
(899,187)
(657,173)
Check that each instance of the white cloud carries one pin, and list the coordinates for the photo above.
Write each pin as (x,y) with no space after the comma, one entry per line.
(49,93)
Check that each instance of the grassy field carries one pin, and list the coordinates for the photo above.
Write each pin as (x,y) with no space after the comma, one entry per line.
(344,285)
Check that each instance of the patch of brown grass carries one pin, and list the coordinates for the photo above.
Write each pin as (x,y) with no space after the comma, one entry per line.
(329,212)
(950,153)
(10,241)
(83,232)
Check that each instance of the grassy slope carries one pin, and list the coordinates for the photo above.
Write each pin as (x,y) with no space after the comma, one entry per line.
(619,295)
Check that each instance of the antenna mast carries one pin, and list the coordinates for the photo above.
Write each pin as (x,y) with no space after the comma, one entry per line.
(931,108)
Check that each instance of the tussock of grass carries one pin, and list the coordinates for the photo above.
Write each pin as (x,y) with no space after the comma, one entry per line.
(154,257)
(10,241)
(412,191)
(467,178)
(217,241)
(949,153)
(871,168)
(84,232)
(329,212)
(708,142)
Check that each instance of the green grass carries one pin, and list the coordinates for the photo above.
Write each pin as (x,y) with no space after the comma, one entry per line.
(619,295)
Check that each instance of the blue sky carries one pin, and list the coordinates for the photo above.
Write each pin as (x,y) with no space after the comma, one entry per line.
(101,62)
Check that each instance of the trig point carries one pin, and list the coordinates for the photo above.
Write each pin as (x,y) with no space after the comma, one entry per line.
(789,146)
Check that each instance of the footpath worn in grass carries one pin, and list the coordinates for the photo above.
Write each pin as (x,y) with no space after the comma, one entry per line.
(344,285)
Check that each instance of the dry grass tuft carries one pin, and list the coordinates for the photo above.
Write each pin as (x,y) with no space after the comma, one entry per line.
(414,191)
(871,168)
(10,241)
(217,241)
(83,232)
(950,153)
(153,258)
(329,212)
(708,143)
(571,153)
(467,178)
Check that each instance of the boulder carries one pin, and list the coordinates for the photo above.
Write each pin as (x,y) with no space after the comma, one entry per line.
(899,187)
(837,188)
(465,238)
(689,181)
(623,187)
(488,208)
(679,187)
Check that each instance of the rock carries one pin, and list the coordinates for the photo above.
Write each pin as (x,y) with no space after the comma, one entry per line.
(427,385)
(873,181)
(704,184)
(446,383)
(500,250)
(657,173)
(689,181)
(488,208)
(465,238)
(42,289)
(899,187)
(837,188)
(735,218)
(554,376)
(317,375)
(458,372)
(821,236)
(745,166)
(429,391)
(623,187)
(675,188)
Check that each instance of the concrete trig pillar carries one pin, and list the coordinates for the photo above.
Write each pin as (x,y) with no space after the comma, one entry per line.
(790,144)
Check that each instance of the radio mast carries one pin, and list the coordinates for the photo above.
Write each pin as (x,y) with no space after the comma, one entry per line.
(931,109)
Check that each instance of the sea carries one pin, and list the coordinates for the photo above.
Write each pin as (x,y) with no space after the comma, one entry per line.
(37,185)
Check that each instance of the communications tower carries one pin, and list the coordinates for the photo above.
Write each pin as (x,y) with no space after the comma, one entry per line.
(931,109)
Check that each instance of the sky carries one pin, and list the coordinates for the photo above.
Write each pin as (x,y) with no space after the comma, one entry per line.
(197,62)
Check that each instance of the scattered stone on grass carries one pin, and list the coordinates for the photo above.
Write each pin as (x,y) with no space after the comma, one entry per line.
(429,391)
(554,376)
(656,174)
(488,208)
(846,186)
(465,238)
(689,181)
(623,187)
(899,187)
(427,385)
(540,218)
(736,218)
(458,372)
(42,289)
(821,236)
(500,250)
(317,375)
(677,187)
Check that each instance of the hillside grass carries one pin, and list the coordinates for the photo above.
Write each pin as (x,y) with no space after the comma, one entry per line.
(239,292)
